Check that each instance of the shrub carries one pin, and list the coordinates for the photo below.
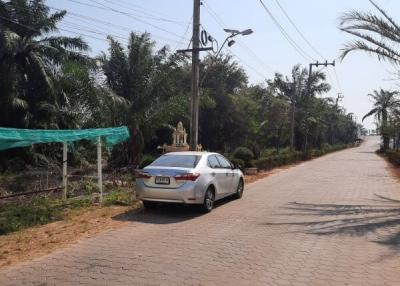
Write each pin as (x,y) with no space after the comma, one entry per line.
(273,161)
(277,160)
(394,157)
(146,160)
(244,154)
(237,162)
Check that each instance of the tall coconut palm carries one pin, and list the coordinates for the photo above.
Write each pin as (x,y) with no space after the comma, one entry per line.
(384,102)
(296,90)
(30,51)
(377,34)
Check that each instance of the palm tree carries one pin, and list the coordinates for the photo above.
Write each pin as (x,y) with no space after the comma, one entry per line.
(30,53)
(384,102)
(377,35)
(299,90)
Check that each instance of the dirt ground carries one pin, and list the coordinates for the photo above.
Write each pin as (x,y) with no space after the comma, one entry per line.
(78,224)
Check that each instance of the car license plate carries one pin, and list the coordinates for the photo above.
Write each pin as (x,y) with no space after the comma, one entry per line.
(162,180)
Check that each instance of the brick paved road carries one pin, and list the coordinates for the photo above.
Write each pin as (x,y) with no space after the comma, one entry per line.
(331,221)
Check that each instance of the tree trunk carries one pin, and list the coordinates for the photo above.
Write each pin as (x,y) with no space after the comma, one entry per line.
(385,136)
(292,127)
(278,140)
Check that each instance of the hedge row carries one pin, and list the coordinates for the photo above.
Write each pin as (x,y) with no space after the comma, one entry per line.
(293,157)
(394,157)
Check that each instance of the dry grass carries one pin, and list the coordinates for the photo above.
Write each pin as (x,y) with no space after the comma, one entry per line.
(77,224)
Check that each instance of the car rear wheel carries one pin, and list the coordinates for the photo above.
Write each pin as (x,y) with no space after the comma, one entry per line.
(240,189)
(209,199)
(149,205)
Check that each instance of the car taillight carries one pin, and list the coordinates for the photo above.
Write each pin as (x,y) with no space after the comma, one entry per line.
(187,177)
(143,175)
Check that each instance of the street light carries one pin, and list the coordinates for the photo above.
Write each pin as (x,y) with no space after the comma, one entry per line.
(233,33)
(231,42)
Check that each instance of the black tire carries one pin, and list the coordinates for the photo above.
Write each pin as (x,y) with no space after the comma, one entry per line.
(239,189)
(209,200)
(149,204)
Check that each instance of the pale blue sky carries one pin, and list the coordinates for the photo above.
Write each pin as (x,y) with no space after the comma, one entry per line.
(264,52)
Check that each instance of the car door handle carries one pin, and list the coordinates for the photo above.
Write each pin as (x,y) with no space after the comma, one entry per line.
(213,174)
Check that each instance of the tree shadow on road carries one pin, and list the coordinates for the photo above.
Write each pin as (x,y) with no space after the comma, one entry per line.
(379,221)
(166,213)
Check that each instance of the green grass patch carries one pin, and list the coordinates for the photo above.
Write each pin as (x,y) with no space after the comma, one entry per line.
(40,211)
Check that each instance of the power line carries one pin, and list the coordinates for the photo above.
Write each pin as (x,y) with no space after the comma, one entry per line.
(145,14)
(106,24)
(184,34)
(246,64)
(298,30)
(221,23)
(299,50)
(62,29)
(130,15)
(331,80)
(148,11)
(93,31)
(337,79)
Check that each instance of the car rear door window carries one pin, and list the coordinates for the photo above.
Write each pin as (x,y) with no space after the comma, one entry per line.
(212,162)
(179,161)
(223,162)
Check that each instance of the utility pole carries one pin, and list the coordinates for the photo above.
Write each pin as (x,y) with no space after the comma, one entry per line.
(194,115)
(316,64)
(195,50)
(292,118)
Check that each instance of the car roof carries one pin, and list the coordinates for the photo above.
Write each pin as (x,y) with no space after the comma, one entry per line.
(198,153)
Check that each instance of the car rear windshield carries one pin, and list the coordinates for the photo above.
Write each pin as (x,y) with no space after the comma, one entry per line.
(180,161)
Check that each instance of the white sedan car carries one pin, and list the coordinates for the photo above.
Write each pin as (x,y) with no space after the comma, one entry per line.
(198,178)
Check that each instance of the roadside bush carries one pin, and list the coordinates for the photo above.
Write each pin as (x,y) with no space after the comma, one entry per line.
(277,160)
(237,162)
(394,157)
(273,161)
(244,154)
(147,160)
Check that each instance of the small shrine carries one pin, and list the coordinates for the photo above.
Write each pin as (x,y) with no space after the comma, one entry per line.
(179,136)
(179,141)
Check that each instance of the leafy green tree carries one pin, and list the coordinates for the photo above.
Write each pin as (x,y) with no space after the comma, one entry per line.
(153,86)
(29,55)
(222,123)
(277,121)
(384,101)
(300,90)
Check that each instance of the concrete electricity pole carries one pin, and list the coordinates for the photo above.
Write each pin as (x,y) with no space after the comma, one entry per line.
(194,115)
(195,50)
(317,64)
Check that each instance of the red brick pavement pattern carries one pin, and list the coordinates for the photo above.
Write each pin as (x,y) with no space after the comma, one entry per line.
(330,221)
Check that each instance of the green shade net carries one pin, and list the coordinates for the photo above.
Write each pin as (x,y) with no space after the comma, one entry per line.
(12,137)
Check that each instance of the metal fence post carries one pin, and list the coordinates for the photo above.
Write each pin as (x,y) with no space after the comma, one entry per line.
(64,174)
(99,169)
